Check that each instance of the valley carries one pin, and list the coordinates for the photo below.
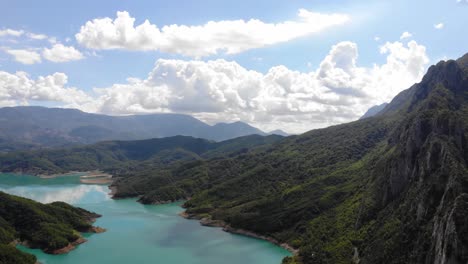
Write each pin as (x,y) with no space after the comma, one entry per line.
(390,188)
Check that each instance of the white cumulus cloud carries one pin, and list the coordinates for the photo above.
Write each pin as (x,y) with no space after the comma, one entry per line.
(61,53)
(337,90)
(18,88)
(213,37)
(24,56)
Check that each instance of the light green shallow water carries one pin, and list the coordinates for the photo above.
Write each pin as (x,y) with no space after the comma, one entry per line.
(139,233)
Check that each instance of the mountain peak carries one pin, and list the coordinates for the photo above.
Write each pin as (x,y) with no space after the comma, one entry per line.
(447,75)
(463,61)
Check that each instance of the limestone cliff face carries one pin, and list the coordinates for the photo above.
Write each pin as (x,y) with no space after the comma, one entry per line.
(450,232)
(422,179)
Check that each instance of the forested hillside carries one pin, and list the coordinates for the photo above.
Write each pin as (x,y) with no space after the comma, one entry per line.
(125,156)
(392,188)
(50,227)
(387,189)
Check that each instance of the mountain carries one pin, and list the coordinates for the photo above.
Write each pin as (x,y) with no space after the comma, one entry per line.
(392,188)
(50,227)
(223,131)
(374,110)
(279,132)
(120,156)
(35,127)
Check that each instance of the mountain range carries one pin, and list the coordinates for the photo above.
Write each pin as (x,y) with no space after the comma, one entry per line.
(390,188)
(35,127)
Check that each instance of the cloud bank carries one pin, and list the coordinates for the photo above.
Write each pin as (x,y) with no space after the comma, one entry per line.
(18,89)
(214,37)
(337,91)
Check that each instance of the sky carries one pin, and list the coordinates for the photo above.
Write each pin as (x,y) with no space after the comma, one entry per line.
(290,65)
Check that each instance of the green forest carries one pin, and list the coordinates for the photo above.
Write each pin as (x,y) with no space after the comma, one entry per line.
(386,189)
(45,226)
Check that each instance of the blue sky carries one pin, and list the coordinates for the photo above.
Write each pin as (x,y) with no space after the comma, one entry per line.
(365,27)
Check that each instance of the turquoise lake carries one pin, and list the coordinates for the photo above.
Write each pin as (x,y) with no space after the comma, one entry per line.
(139,233)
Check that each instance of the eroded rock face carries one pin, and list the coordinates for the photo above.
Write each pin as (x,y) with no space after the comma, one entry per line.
(448,74)
(423,177)
(450,234)
(426,148)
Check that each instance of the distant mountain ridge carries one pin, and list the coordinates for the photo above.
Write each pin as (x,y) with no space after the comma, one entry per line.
(33,127)
(279,132)
(374,110)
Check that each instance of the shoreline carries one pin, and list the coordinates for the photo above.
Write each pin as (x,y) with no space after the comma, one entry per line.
(68,248)
(220,224)
(203,221)
(55,175)
(238,231)
(43,176)
(86,177)
(71,246)
(113,191)
(89,177)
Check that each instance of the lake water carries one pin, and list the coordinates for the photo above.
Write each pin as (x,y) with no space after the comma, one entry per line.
(139,233)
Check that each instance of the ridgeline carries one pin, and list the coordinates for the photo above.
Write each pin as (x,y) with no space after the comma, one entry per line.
(392,188)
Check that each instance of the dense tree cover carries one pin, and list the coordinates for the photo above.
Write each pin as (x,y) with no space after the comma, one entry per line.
(122,156)
(45,226)
(9,145)
(387,189)
(9,255)
(392,188)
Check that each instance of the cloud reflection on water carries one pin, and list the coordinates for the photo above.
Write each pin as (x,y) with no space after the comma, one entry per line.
(73,194)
